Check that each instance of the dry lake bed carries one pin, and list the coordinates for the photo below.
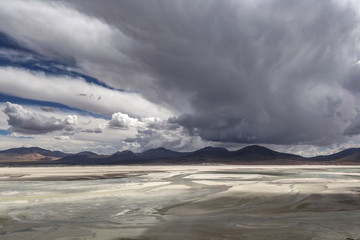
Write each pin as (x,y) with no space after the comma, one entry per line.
(180,202)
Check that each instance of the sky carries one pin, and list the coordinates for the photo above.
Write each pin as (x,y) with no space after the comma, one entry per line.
(106,76)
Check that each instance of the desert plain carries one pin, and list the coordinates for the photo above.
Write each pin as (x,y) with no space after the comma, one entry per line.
(180,202)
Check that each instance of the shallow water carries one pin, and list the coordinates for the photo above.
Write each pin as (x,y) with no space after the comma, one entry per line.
(180,202)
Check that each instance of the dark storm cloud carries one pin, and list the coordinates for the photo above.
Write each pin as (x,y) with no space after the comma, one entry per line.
(352,84)
(278,72)
(245,71)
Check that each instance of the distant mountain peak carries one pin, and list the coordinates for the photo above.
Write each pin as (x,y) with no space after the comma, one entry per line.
(255,147)
(87,153)
(125,152)
(342,154)
(253,154)
(29,150)
(210,148)
(160,149)
(159,153)
(260,153)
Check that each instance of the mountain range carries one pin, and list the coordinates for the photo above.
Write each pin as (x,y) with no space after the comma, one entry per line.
(251,155)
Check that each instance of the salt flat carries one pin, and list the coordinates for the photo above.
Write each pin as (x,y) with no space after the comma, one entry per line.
(180,202)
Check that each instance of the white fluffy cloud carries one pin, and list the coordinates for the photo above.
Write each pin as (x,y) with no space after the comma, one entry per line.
(152,132)
(31,120)
(122,120)
(24,121)
(57,130)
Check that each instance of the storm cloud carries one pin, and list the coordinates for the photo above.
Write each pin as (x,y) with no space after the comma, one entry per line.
(246,71)
(267,72)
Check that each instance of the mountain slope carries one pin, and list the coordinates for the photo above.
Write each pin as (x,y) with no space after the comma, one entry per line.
(259,153)
(343,154)
(29,155)
(208,155)
(159,153)
(349,159)
(23,151)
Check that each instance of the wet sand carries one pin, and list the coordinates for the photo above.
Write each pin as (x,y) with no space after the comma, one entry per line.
(180,202)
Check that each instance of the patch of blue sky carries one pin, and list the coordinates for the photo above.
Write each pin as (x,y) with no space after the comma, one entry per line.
(4,132)
(7,42)
(14,55)
(322,149)
(23,137)
(47,66)
(61,107)
(8,134)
